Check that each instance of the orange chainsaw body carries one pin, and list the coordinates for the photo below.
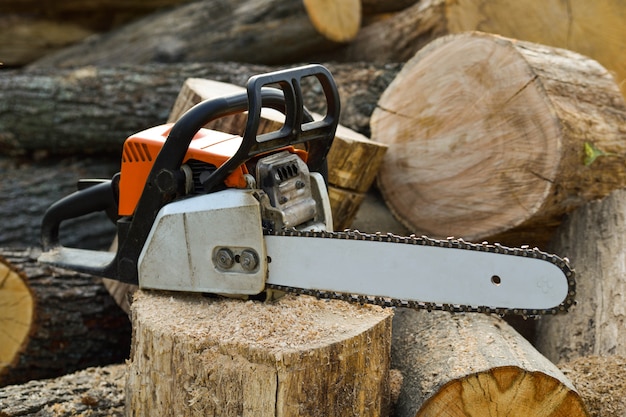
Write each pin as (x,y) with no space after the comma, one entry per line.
(208,146)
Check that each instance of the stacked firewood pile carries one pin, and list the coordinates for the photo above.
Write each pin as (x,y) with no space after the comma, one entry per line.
(486,120)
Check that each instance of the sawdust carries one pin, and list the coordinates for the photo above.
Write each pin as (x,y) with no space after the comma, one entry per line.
(292,322)
(601,382)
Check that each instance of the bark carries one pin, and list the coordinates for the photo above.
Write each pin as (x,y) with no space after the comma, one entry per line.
(594,29)
(94,392)
(495,144)
(30,30)
(30,187)
(474,364)
(193,355)
(593,239)
(255,31)
(75,323)
(93,110)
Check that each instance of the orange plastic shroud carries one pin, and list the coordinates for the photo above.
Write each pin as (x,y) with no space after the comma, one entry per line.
(210,146)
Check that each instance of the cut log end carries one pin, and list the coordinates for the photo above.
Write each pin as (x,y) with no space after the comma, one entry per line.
(509,391)
(337,20)
(222,356)
(17,308)
(475,365)
(486,139)
(487,134)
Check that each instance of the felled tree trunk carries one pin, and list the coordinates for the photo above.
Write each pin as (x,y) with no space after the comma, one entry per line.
(255,31)
(31,29)
(28,188)
(499,142)
(93,110)
(474,365)
(593,238)
(594,29)
(353,160)
(55,321)
(194,355)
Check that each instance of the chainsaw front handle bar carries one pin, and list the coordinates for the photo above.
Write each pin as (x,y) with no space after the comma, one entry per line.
(161,185)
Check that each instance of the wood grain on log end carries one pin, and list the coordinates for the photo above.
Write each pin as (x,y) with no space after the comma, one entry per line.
(194,355)
(337,20)
(474,364)
(76,324)
(495,138)
(17,309)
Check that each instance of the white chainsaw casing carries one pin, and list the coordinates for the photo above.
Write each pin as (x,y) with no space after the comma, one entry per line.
(180,251)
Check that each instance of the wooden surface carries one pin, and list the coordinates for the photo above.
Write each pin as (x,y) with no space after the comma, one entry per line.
(253,31)
(474,365)
(74,323)
(492,144)
(194,355)
(353,160)
(96,109)
(594,29)
(593,238)
(31,29)
(17,307)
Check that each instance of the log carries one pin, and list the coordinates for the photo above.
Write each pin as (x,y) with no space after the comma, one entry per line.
(29,187)
(93,110)
(353,160)
(592,29)
(99,392)
(496,143)
(254,31)
(93,392)
(474,364)
(31,29)
(593,238)
(25,38)
(194,355)
(65,321)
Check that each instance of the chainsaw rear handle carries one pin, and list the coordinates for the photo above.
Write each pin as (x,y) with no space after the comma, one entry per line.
(97,197)
(159,189)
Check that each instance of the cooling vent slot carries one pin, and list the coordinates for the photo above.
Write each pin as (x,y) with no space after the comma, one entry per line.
(285,172)
(200,171)
(136,152)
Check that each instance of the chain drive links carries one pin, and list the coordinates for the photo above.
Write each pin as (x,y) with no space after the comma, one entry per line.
(524,251)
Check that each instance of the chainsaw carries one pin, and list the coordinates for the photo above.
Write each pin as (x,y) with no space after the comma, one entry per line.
(200,210)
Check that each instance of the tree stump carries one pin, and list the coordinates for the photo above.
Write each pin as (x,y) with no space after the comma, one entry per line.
(593,237)
(54,321)
(353,160)
(499,141)
(474,365)
(193,355)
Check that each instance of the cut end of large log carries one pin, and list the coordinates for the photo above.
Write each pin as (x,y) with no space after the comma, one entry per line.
(17,307)
(506,391)
(475,365)
(337,20)
(194,355)
(487,134)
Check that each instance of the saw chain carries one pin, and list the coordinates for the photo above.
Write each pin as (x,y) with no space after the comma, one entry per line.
(524,251)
